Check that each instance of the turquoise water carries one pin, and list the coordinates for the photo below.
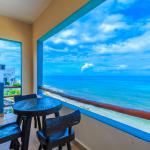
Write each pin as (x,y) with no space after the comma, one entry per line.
(126,91)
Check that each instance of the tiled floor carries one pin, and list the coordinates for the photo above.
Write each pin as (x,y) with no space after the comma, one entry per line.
(33,145)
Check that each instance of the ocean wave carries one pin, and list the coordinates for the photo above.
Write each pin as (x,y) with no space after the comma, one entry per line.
(54,88)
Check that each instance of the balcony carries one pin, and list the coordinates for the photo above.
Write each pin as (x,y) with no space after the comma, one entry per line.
(9,93)
(61,44)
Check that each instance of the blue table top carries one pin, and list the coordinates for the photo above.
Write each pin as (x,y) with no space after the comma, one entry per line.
(37,106)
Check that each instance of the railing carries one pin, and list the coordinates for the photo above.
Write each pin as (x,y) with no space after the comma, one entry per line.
(10,96)
(8,99)
(11,87)
(131,112)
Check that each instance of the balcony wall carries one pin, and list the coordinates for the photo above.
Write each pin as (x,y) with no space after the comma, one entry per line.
(19,31)
(95,135)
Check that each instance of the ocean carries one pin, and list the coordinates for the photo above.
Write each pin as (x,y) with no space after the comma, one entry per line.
(125,91)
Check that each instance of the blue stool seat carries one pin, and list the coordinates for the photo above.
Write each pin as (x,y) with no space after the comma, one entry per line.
(56,139)
(58,131)
(9,132)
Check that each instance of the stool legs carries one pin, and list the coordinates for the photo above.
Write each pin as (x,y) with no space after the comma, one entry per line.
(39,122)
(26,133)
(35,122)
(40,147)
(60,148)
(68,145)
(15,144)
(57,114)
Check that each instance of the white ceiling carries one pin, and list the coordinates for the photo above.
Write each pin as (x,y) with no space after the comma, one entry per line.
(24,10)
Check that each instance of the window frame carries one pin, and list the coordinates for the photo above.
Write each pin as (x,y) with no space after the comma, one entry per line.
(20,43)
(118,125)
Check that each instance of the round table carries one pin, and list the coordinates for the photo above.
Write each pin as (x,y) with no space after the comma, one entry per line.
(34,107)
(37,106)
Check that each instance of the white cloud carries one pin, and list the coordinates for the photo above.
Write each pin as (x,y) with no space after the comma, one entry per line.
(109,67)
(68,33)
(113,22)
(146,26)
(66,36)
(9,53)
(127,2)
(104,30)
(5,46)
(71,41)
(135,44)
(86,66)
(58,40)
(121,67)
(48,48)
(54,39)
(86,38)
(123,4)
(107,28)
(114,17)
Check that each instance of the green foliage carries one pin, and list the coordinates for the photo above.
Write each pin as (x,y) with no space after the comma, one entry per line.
(7,83)
(9,92)
(17,84)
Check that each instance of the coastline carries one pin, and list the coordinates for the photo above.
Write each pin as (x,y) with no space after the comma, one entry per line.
(138,123)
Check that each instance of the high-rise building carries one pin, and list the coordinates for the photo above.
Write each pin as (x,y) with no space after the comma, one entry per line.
(7,75)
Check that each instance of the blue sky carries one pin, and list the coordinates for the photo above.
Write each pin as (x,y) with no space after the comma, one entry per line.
(111,39)
(114,38)
(10,55)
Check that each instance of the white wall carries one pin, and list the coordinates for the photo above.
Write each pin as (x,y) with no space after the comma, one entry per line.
(98,136)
